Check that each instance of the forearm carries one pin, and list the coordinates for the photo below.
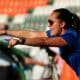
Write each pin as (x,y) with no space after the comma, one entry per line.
(38,63)
(33,62)
(18,33)
(48,42)
(2,32)
(25,33)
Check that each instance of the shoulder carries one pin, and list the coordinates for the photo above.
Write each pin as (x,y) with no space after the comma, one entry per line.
(70,36)
(71,33)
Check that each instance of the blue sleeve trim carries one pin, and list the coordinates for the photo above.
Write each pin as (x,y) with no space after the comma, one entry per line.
(48,33)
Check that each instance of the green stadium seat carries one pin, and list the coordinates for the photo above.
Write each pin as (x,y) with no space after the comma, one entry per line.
(36,22)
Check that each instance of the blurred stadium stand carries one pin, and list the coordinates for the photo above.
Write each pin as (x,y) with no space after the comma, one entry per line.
(3,18)
(18,21)
(13,7)
(44,10)
(16,9)
(36,22)
(33,14)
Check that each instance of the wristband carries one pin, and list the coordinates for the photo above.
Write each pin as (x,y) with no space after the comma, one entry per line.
(22,40)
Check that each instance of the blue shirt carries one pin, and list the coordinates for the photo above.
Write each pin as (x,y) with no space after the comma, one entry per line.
(71,52)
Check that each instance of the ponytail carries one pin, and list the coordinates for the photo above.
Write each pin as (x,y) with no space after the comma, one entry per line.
(75,22)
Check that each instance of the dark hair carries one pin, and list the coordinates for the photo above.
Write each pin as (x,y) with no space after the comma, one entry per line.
(71,19)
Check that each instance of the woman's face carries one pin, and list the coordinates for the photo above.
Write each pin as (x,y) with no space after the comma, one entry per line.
(56,25)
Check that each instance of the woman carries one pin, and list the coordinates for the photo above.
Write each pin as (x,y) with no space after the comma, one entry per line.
(64,33)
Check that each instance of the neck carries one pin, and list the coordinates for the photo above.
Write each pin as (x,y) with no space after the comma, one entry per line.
(63,31)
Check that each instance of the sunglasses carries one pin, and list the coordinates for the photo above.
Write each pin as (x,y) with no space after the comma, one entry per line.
(50,22)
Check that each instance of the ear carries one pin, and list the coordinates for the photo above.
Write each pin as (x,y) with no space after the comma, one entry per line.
(63,24)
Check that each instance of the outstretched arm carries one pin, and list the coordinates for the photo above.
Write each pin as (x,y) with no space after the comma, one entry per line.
(55,42)
(43,41)
(25,33)
(2,32)
(28,61)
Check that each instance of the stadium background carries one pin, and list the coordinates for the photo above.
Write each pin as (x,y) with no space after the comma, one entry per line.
(32,14)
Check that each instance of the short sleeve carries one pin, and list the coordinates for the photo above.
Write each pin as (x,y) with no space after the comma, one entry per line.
(48,33)
(70,38)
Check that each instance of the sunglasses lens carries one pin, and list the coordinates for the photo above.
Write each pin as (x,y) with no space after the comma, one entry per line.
(50,22)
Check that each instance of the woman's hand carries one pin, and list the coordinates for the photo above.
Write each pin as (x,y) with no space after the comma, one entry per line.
(28,61)
(13,42)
